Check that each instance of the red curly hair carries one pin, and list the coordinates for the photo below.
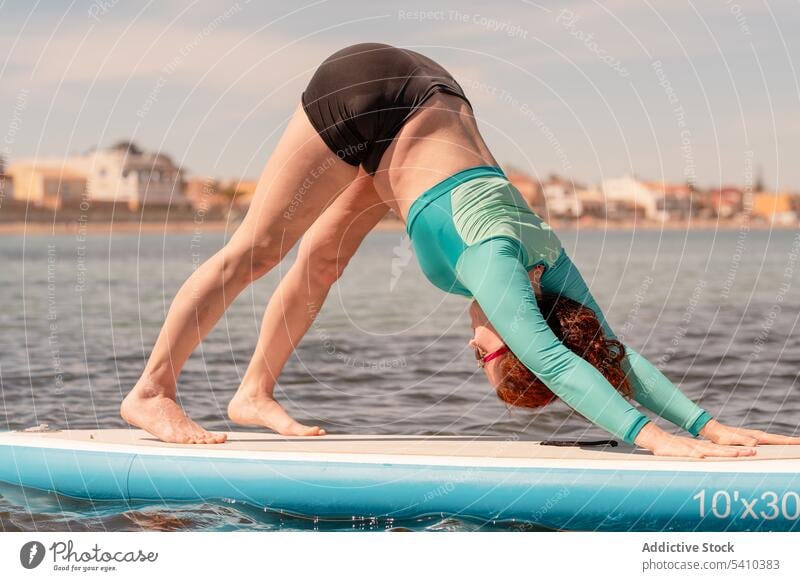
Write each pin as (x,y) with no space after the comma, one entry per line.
(579,329)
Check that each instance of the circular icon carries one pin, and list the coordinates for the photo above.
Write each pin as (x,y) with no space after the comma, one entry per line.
(31,554)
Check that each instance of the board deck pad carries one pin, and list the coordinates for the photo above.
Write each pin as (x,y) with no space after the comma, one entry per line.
(435,446)
(561,487)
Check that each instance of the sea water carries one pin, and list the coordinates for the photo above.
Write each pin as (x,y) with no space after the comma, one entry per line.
(716,311)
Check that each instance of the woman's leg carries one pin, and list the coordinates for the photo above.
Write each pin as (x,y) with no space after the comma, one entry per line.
(323,255)
(301,177)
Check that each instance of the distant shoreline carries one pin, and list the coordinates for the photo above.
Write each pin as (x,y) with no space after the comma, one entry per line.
(60,228)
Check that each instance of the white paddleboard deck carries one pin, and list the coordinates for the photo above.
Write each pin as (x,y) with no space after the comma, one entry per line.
(595,488)
(466,450)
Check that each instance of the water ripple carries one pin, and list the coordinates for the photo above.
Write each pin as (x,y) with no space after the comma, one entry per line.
(376,360)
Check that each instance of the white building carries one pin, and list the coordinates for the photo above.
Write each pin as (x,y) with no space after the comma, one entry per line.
(593,202)
(125,174)
(634,193)
(561,198)
(6,183)
(47,184)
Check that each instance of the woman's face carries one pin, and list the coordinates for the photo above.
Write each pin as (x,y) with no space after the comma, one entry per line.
(485,339)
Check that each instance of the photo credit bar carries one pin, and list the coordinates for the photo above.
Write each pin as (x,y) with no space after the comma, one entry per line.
(341,555)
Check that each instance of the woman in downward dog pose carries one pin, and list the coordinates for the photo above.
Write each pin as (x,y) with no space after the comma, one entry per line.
(380,127)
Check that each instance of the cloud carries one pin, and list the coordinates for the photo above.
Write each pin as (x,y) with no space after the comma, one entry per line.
(113,53)
(241,65)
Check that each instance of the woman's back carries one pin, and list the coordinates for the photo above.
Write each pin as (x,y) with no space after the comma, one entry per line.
(440,139)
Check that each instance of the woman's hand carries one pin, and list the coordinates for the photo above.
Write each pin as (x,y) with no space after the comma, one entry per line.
(721,434)
(663,444)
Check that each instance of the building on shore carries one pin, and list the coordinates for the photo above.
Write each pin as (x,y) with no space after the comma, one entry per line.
(206,192)
(775,207)
(47,184)
(674,202)
(593,203)
(125,174)
(530,189)
(629,198)
(240,192)
(121,174)
(727,201)
(6,183)
(561,198)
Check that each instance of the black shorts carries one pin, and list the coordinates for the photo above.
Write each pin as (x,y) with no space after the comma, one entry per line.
(360,97)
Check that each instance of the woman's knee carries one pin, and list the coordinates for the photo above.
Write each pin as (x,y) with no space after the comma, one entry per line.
(324,274)
(322,264)
(247,262)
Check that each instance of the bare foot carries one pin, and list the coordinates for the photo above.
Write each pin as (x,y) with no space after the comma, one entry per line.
(264,411)
(164,418)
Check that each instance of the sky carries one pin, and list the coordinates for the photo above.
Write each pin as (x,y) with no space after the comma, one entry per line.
(706,91)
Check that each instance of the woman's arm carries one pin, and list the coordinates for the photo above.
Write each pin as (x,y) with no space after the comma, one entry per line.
(493,272)
(650,387)
(656,392)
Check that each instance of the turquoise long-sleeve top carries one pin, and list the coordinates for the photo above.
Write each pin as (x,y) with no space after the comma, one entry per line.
(474,235)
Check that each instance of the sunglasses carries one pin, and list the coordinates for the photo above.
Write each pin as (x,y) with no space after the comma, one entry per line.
(484,359)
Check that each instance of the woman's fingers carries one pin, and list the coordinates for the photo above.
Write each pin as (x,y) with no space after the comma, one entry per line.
(767,438)
(726,451)
(678,446)
(730,436)
(755,437)
(738,440)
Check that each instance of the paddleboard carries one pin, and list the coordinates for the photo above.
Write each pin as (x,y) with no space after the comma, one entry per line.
(560,487)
